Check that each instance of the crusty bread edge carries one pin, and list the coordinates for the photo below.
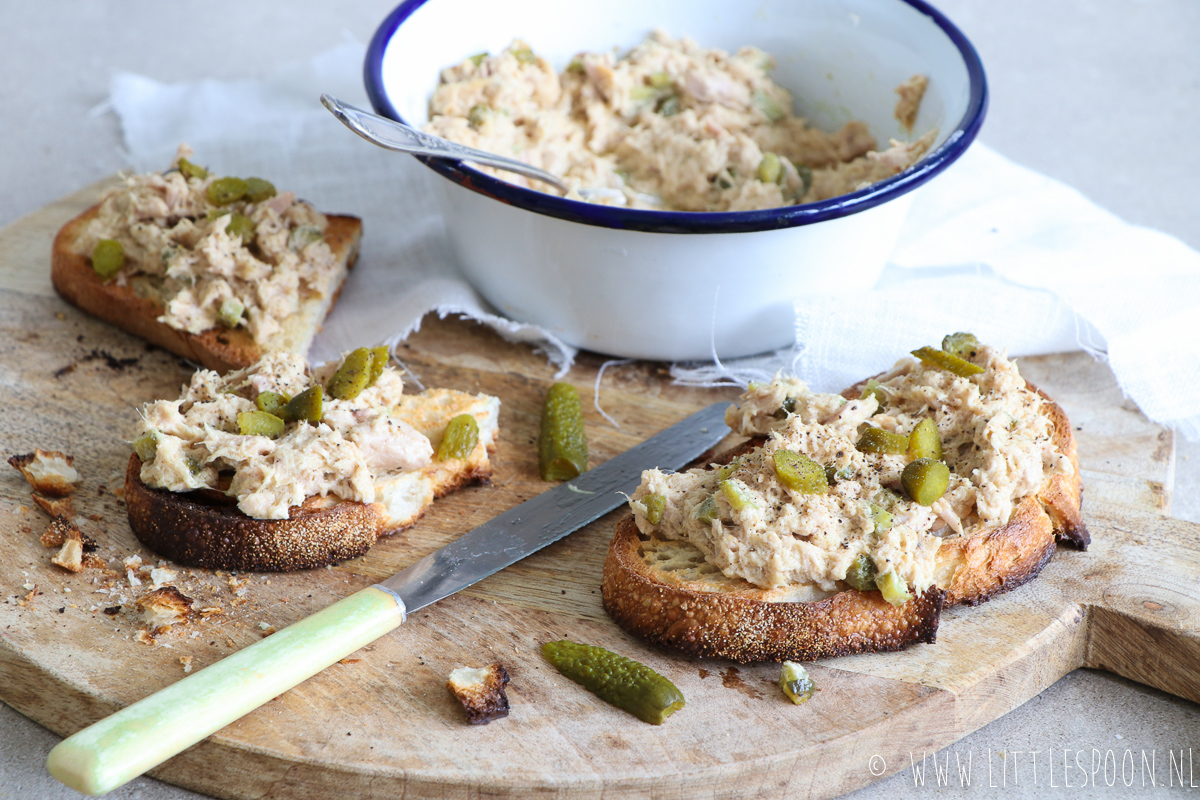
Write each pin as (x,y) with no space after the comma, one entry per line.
(221,349)
(739,626)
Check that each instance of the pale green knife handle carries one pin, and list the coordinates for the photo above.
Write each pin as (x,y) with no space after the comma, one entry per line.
(118,748)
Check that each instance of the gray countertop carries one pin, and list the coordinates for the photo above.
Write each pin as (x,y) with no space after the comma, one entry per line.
(1103,95)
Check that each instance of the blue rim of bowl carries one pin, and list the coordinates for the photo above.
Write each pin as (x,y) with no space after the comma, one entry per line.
(692,221)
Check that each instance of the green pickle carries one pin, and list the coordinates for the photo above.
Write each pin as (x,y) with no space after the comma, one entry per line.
(524,55)
(770,169)
(224,191)
(874,388)
(655,505)
(478,58)
(800,473)
(146,446)
(258,189)
(893,588)
(108,256)
(925,480)
(231,312)
(795,682)
(877,440)
(961,344)
(562,442)
(737,495)
(259,423)
(306,406)
(725,470)
(861,573)
(379,359)
(881,517)
(460,438)
(272,403)
(769,106)
(623,682)
(669,106)
(352,376)
(948,361)
(924,441)
(706,510)
(191,170)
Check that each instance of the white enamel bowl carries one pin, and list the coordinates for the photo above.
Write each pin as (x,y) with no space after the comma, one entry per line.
(676,285)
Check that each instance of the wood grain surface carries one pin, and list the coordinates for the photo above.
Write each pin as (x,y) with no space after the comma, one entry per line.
(382,725)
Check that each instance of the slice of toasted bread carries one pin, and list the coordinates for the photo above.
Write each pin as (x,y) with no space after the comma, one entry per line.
(136,305)
(668,593)
(206,529)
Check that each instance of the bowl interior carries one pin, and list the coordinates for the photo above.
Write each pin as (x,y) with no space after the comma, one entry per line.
(841,59)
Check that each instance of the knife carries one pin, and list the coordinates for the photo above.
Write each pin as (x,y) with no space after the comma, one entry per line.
(120,747)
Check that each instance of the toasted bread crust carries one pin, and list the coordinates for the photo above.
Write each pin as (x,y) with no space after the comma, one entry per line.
(201,529)
(709,620)
(205,529)
(734,619)
(221,349)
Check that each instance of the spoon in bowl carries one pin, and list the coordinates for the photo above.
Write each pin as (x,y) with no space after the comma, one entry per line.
(393,135)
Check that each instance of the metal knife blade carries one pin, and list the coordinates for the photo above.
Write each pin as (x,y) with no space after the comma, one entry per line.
(551,515)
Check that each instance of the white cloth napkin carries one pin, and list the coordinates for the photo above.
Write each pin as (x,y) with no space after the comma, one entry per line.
(989,247)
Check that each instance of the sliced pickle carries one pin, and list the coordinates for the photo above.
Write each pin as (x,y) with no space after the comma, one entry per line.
(224,191)
(191,170)
(655,505)
(961,344)
(258,189)
(925,480)
(306,406)
(146,446)
(108,256)
(874,388)
(861,574)
(893,588)
(462,434)
(623,682)
(352,376)
(737,494)
(947,361)
(231,312)
(706,510)
(259,423)
(800,473)
(770,169)
(273,403)
(877,440)
(796,683)
(924,441)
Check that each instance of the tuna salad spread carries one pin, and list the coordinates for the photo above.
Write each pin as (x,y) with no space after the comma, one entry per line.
(670,125)
(843,489)
(274,435)
(213,250)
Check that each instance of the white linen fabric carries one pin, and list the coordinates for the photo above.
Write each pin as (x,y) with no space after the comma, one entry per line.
(989,247)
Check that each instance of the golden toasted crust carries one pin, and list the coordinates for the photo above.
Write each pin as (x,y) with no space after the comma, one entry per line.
(221,349)
(702,612)
(481,692)
(731,619)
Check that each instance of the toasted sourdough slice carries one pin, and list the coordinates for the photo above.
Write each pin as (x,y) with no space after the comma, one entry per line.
(666,591)
(136,305)
(206,529)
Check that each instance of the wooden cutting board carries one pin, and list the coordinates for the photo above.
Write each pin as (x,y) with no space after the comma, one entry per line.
(382,725)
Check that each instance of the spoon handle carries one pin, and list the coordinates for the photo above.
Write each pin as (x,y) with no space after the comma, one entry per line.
(397,136)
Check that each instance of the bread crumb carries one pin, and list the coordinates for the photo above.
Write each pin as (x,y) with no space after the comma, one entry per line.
(48,471)
(54,506)
(187,663)
(162,608)
(70,557)
(481,692)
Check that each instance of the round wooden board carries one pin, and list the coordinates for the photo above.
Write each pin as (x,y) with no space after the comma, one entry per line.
(381,724)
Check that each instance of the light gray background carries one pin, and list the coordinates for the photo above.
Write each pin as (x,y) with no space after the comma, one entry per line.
(1101,94)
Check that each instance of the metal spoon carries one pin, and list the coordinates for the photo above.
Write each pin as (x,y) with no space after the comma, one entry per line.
(392,135)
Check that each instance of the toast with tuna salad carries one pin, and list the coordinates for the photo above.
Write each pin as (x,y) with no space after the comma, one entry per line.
(846,523)
(219,270)
(277,467)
